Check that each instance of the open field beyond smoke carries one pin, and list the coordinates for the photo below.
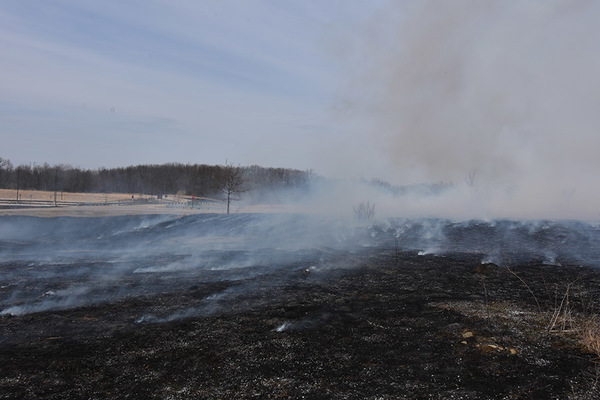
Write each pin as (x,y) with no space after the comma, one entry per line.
(119,204)
(296,306)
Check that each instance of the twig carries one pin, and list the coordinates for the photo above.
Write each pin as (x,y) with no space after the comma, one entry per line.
(563,310)
(527,286)
(487,305)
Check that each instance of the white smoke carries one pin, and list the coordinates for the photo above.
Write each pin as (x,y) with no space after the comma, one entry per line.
(505,91)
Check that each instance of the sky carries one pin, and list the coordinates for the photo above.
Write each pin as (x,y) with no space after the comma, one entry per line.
(498,98)
(116,83)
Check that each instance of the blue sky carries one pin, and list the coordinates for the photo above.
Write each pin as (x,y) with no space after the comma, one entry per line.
(116,83)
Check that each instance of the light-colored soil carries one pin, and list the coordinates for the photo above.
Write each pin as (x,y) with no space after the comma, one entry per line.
(26,196)
(98,211)
(172,204)
(30,203)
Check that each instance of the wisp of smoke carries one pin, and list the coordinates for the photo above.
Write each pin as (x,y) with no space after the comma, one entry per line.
(58,263)
(245,259)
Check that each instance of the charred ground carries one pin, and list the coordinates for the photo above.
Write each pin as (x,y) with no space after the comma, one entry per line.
(382,322)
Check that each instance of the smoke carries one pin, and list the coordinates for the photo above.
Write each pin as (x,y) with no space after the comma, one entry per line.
(215,263)
(506,92)
(59,263)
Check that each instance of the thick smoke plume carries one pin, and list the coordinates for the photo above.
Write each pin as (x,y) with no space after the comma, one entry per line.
(499,98)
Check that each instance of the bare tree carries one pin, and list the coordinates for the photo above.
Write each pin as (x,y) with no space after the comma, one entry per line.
(6,169)
(231,182)
(364,211)
(471,181)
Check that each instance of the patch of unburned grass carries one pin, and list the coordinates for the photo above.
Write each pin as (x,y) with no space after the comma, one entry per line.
(589,334)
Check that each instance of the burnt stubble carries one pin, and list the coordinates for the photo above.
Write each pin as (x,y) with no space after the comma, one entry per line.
(378,322)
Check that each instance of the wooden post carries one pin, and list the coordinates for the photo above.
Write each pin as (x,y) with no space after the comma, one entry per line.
(18,184)
(55,179)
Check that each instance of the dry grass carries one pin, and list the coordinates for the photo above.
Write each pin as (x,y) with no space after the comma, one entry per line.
(563,319)
(40,195)
(40,204)
(589,334)
(104,207)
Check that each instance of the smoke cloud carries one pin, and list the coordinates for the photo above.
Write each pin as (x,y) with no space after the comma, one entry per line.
(219,263)
(499,98)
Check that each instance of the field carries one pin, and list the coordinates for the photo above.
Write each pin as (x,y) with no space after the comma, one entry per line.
(30,196)
(287,305)
(41,204)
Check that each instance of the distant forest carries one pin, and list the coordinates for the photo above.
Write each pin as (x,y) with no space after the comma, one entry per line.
(197,179)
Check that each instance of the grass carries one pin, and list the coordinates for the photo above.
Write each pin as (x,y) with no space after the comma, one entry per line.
(589,334)
(562,316)
(38,195)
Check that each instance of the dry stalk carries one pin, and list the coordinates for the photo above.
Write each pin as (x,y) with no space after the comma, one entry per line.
(584,325)
(562,316)
(589,335)
(487,303)
(527,286)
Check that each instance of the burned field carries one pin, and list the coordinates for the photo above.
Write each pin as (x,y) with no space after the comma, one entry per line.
(287,306)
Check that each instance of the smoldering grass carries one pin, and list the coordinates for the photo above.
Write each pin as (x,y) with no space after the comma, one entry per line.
(284,327)
(550,259)
(171,267)
(251,290)
(178,315)
(216,303)
(50,301)
(426,252)
(249,247)
(311,322)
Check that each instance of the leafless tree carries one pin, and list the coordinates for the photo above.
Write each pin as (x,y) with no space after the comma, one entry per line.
(231,182)
(364,211)
(5,171)
(470,180)
(198,179)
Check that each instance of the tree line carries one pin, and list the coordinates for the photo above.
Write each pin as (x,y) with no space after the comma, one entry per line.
(154,179)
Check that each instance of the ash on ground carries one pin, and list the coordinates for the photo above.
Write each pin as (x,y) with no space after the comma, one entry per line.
(377,322)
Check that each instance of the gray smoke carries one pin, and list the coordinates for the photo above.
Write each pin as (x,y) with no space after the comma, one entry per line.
(49,264)
(242,261)
(505,91)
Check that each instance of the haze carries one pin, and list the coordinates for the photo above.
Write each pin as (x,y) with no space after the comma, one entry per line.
(497,98)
